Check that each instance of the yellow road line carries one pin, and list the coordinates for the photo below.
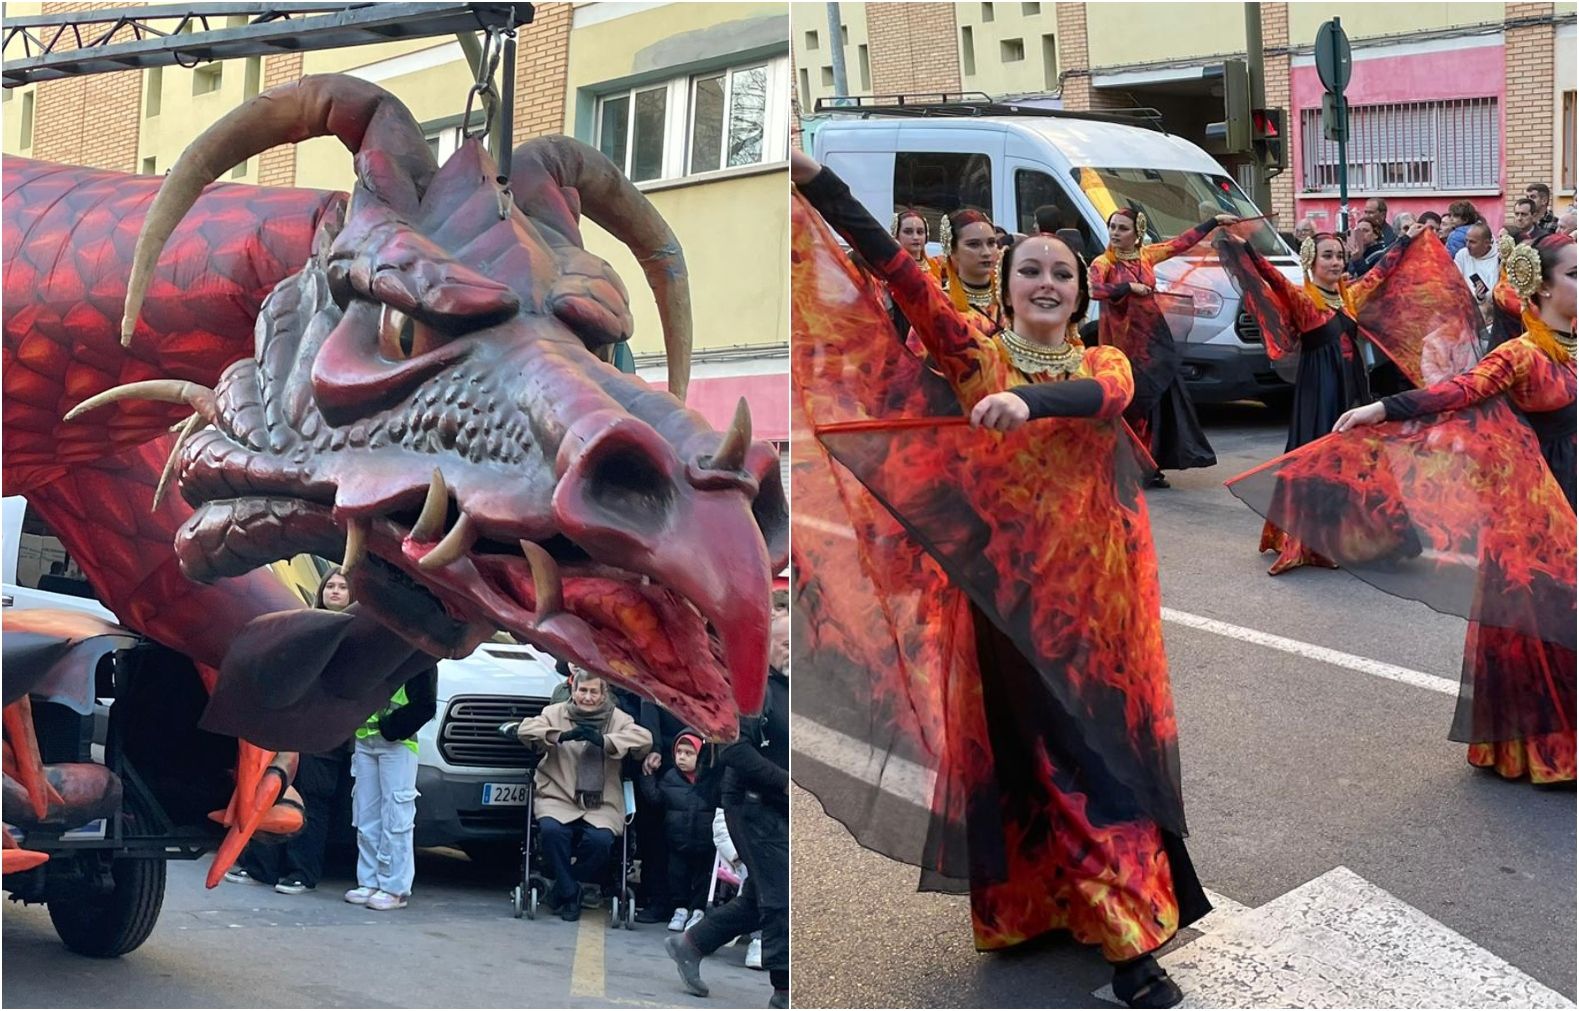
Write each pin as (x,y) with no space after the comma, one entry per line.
(586,972)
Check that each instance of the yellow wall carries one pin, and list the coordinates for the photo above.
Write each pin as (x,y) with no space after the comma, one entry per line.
(735,233)
(1010,21)
(733,230)
(813,65)
(1363,20)
(183,115)
(1121,34)
(610,50)
(11,106)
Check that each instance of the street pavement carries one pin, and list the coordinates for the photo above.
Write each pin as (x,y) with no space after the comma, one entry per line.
(456,945)
(1357,859)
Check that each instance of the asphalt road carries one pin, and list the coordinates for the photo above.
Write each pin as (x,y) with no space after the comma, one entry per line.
(456,945)
(1292,766)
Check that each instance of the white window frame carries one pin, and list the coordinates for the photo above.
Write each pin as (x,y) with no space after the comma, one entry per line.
(679,101)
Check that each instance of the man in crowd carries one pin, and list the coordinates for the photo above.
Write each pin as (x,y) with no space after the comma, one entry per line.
(1376,214)
(756,807)
(1522,224)
(1478,263)
(1304,230)
(1540,195)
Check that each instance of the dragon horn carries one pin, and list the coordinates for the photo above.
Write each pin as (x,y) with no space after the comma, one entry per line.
(731,454)
(171,391)
(612,201)
(359,113)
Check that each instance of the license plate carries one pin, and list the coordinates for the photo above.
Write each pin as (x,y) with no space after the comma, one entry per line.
(504,795)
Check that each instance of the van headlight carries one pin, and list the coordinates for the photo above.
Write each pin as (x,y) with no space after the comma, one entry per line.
(1206,301)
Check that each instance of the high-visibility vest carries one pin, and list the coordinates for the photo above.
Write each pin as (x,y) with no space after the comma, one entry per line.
(370,728)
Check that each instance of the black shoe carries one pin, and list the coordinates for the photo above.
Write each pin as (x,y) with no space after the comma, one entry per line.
(652,912)
(1158,481)
(591,896)
(780,998)
(570,907)
(1141,982)
(689,961)
(292,885)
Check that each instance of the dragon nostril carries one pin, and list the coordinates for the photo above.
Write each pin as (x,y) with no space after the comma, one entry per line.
(626,482)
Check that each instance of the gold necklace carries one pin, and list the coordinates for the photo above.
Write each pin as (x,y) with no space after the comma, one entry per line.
(1119,254)
(979,298)
(1034,359)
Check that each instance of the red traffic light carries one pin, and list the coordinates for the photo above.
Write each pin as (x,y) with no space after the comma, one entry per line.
(1266,123)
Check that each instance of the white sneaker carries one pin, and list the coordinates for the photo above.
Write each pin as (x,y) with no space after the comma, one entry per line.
(677,921)
(754,954)
(385,900)
(359,896)
(696,917)
(237,876)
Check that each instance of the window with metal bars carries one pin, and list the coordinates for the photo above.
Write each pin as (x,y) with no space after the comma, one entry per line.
(1445,145)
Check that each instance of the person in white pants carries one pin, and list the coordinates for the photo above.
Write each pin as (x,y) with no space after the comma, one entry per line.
(384,796)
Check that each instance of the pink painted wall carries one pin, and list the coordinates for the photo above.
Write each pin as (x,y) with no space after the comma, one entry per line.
(1456,73)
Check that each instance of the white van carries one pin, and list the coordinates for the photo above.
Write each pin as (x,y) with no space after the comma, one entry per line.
(472,781)
(1084,164)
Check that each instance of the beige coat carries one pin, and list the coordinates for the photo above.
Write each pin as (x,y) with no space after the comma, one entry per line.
(556,775)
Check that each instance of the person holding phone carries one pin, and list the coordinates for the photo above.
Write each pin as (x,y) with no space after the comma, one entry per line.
(1480,265)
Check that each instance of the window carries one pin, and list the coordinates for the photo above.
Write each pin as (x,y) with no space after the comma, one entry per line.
(1568,142)
(864,62)
(986,13)
(1030,10)
(240,170)
(208,78)
(444,137)
(967,49)
(937,183)
(1034,189)
(811,40)
(721,119)
(1049,63)
(42,562)
(1011,50)
(1450,145)
(155,92)
(805,87)
(27,120)
(827,77)
(150,166)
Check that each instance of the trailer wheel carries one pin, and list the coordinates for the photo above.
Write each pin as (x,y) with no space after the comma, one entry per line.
(118,921)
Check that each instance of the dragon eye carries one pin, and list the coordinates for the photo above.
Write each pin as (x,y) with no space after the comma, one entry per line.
(400,337)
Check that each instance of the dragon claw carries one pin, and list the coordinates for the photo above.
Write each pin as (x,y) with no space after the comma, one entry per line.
(259,792)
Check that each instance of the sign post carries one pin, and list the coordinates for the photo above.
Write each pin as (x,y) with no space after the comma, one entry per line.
(1334,64)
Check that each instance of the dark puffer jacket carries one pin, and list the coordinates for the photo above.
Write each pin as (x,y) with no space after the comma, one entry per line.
(687,809)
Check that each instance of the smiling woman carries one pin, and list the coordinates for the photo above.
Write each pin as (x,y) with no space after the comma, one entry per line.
(995,617)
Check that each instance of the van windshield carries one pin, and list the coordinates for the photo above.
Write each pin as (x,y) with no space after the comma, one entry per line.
(1174,201)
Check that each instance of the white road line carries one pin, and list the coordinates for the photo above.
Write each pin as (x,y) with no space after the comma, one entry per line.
(1309,651)
(900,777)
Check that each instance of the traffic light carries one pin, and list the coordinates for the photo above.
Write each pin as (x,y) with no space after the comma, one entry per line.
(1233,134)
(1269,138)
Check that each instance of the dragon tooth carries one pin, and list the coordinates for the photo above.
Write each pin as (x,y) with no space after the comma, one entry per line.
(547,587)
(430,524)
(454,545)
(355,543)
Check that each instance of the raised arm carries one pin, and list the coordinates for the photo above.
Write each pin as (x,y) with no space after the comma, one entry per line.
(1156,252)
(1280,307)
(957,347)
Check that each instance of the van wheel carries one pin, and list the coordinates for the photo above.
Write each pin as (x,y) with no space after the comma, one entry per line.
(115,922)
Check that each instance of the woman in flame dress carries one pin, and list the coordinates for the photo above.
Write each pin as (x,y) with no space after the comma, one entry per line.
(995,619)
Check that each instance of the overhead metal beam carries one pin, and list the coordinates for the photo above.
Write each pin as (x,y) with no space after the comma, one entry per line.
(274,28)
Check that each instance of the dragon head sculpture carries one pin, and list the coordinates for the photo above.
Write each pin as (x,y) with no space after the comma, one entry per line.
(428,402)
